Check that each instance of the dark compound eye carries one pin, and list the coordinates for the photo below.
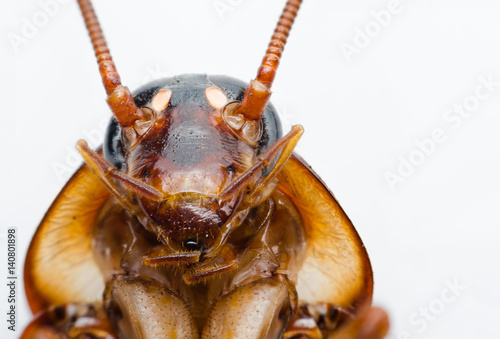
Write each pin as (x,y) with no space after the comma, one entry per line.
(113,147)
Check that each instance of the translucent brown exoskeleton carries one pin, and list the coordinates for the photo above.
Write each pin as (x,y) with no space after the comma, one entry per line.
(196,220)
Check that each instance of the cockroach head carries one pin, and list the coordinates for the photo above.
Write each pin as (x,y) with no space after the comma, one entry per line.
(192,149)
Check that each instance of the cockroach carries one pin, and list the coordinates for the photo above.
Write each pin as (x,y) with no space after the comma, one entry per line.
(197,220)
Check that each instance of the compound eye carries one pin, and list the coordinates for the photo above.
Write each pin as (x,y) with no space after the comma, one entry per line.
(249,131)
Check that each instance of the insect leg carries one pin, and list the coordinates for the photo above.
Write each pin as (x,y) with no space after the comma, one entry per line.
(148,310)
(369,323)
(292,291)
(262,297)
(71,321)
(162,255)
(315,321)
(204,273)
(257,310)
(223,262)
(324,320)
(138,298)
(303,326)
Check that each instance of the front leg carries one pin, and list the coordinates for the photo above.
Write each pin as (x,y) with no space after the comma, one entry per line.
(261,295)
(148,310)
(323,320)
(257,310)
(71,321)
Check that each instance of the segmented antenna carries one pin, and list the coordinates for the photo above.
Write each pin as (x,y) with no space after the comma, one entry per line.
(258,91)
(119,98)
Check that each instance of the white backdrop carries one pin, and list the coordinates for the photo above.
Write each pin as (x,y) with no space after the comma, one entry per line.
(400,101)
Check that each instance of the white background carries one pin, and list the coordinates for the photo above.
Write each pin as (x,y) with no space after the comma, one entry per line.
(362,119)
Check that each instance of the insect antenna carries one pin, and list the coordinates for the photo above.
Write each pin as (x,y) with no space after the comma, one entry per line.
(120,99)
(258,91)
